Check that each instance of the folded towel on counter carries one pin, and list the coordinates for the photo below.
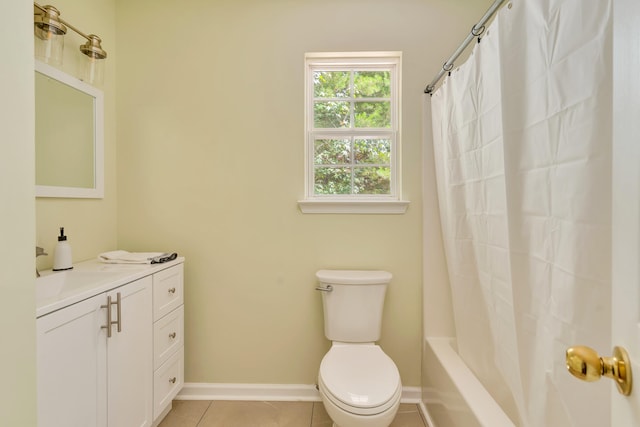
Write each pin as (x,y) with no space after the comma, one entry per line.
(124,257)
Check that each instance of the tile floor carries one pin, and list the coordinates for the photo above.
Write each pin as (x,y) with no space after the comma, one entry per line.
(219,413)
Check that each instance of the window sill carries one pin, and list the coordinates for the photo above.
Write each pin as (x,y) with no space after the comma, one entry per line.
(333,206)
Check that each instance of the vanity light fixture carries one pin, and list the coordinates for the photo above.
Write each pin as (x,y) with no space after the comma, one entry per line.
(50,29)
(50,34)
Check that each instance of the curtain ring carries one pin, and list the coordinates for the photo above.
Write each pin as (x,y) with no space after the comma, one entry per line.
(449,68)
(477,32)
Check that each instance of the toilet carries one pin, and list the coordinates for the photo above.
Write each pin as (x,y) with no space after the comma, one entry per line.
(358,383)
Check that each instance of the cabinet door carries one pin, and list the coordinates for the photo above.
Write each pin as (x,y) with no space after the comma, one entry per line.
(130,357)
(71,366)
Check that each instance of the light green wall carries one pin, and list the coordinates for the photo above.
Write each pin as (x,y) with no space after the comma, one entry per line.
(90,223)
(210,164)
(17,276)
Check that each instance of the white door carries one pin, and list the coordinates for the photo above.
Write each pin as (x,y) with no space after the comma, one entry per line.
(130,356)
(626,202)
(71,366)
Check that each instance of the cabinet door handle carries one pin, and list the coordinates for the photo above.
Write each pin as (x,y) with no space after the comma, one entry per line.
(109,319)
(109,322)
(172,380)
(172,335)
(119,302)
(172,290)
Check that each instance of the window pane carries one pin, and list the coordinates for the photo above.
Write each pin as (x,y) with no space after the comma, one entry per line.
(376,151)
(331,84)
(331,114)
(372,84)
(332,180)
(332,151)
(373,114)
(375,180)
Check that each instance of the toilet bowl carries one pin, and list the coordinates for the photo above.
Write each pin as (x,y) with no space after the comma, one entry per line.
(359,384)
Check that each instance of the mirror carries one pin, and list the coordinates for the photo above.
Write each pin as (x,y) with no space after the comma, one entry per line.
(69,133)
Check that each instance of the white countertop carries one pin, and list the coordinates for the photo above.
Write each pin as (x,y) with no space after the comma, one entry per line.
(59,289)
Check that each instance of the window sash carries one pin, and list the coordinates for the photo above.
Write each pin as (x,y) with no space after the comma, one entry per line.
(384,62)
(352,135)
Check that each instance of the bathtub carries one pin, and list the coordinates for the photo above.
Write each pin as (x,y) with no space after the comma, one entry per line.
(452,395)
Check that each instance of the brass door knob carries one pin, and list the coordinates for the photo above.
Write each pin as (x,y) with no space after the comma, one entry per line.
(585,363)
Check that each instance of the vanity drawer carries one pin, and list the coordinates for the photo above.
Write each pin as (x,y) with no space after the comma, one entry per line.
(168,336)
(167,382)
(167,291)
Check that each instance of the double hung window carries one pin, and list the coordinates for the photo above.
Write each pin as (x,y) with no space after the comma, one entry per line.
(352,129)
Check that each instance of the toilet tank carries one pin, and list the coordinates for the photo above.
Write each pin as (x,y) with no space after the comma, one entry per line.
(353,307)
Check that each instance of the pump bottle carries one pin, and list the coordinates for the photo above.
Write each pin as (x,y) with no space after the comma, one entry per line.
(62,254)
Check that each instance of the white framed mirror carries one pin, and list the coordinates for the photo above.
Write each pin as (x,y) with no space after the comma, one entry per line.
(69,134)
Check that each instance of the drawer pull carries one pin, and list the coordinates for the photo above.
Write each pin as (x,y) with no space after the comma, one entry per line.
(172,335)
(172,290)
(172,380)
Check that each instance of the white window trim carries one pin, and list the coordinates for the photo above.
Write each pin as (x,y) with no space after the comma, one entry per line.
(350,204)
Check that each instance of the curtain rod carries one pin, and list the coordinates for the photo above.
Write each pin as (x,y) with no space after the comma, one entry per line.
(476,31)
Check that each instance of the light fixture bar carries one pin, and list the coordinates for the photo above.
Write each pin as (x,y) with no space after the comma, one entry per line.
(92,48)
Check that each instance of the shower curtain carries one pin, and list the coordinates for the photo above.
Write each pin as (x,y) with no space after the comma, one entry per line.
(522,143)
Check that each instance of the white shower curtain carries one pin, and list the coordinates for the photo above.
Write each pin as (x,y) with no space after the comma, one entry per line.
(522,142)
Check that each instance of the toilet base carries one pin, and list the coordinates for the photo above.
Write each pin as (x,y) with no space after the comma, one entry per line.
(341,418)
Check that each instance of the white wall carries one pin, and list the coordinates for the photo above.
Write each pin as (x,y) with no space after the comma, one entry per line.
(17,275)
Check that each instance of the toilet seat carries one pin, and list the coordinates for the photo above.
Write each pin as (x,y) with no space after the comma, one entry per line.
(360,378)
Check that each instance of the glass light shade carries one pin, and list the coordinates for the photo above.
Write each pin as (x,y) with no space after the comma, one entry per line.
(92,70)
(49,35)
(48,45)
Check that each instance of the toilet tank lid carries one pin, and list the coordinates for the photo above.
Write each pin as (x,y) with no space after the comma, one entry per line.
(354,277)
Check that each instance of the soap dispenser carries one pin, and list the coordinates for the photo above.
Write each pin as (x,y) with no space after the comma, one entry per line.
(62,254)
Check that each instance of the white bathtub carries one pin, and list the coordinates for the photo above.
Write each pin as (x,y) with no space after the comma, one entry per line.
(452,395)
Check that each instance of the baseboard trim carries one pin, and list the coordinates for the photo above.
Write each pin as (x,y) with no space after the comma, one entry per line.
(411,395)
(268,392)
(261,392)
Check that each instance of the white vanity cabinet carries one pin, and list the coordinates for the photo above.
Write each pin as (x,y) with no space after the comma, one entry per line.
(87,378)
